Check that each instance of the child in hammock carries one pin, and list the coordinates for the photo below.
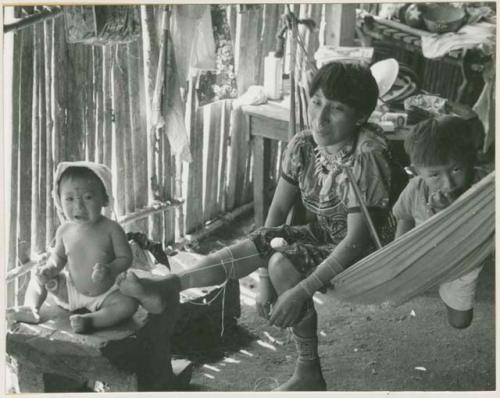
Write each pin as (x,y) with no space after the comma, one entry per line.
(442,152)
(93,248)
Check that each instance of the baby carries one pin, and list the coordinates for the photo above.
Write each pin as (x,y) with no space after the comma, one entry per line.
(93,248)
(442,152)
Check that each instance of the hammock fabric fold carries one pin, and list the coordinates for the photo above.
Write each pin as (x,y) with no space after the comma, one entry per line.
(445,247)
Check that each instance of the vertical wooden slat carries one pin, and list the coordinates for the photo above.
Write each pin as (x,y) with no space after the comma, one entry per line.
(194,192)
(49,171)
(58,94)
(99,105)
(42,161)
(108,106)
(138,126)
(246,47)
(211,150)
(270,26)
(224,142)
(150,58)
(90,106)
(25,150)
(128,131)
(14,183)
(35,143)
(121,123)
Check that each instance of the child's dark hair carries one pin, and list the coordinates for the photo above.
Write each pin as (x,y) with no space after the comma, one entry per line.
(441,140)
(83,173)
(351,84)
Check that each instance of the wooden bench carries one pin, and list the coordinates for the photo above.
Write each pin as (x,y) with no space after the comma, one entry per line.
(132,356)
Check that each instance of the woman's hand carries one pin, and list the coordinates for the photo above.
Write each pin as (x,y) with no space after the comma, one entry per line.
(265,297)
(289,307)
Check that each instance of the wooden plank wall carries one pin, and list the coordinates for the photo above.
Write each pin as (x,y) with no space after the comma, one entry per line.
(68,104)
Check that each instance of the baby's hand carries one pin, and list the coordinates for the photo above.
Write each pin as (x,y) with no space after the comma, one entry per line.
(100,272)
(46,272)
(439,200)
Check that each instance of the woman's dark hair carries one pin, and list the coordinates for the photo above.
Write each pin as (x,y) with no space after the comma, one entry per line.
(441,140)
(83,173)
(351,84)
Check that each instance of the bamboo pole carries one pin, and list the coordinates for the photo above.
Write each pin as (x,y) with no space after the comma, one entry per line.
(58,97)
(90,106)
(49,171)
(33,19)
(14,183)
(224,143)
(150,56)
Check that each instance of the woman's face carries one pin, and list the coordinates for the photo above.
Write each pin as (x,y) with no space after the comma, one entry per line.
(332,122)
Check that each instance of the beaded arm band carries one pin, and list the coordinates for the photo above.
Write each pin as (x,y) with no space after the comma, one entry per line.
(320,277)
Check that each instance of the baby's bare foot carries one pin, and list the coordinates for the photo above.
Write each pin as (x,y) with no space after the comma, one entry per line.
(23,314)
(152,294)
(80,323)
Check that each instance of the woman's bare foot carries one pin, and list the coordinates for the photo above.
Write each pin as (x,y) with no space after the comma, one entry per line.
(80,323)
(306,377)
(23,314)
(154,294)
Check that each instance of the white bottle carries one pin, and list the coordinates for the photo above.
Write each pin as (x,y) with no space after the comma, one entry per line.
(273,76)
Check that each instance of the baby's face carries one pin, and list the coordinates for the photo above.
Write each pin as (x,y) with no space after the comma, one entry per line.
(446,182)
(82,200)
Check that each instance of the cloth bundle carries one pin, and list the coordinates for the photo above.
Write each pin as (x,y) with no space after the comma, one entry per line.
(445,247)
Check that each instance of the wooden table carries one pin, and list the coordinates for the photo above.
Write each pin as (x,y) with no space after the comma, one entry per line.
(268,122)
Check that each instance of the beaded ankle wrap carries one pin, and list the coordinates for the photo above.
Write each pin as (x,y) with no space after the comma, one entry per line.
(307,347)
(320,277)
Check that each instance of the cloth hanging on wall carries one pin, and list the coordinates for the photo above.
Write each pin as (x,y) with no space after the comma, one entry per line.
(192,35)
(445,247)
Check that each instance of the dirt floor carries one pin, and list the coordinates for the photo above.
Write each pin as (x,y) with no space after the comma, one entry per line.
(362,348)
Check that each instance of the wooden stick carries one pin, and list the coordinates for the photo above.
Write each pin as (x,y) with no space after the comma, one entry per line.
(293,53)
(155,208)
(33,19)
(127,137)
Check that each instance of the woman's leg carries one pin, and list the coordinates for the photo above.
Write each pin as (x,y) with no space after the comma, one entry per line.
(233,262)
(307,375)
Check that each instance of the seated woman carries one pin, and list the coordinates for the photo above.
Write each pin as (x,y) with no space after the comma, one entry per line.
(342,98)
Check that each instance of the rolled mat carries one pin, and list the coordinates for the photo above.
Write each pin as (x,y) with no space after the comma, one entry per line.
(443,248)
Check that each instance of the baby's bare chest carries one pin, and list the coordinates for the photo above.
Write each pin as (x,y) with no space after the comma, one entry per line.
(90,247)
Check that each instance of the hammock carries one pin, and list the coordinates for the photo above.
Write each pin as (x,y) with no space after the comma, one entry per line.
(445,247)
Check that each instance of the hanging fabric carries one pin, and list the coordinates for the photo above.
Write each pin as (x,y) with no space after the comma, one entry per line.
(445,247)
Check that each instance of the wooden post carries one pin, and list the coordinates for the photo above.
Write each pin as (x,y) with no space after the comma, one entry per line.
(270,25)
(90,106)
(339,24)
(224,143)
(58,77)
